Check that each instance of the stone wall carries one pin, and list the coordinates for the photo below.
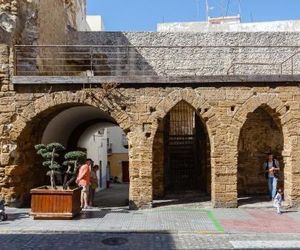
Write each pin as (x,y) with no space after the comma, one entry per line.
(8,19)
(158,159)
(224,111)
(26,110)
(57,17)
(201,54)
(214,58)
(32,22)
(26,22)
(4,66)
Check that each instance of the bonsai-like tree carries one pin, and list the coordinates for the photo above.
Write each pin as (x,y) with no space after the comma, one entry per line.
(50,152)
(73,161)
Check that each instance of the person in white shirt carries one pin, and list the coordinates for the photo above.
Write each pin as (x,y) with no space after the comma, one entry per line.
(271,167)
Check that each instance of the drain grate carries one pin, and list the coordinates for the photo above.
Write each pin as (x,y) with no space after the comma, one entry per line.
(114,241)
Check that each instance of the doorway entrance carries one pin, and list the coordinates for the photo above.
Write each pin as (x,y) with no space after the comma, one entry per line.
(181,156)
(261,134)
(125,171)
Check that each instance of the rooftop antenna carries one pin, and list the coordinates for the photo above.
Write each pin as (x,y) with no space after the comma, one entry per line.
(223,7)
(198,9)
(226,7)
(206,9)
(240,10)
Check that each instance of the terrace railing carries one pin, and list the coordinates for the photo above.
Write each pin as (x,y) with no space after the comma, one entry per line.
(142,61)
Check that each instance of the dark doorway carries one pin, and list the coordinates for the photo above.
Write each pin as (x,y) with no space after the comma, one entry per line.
(185,142)
(125,171)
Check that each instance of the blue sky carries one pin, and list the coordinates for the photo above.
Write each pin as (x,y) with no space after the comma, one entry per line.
(143,15)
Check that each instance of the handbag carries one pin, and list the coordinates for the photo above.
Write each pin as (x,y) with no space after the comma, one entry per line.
(94,184)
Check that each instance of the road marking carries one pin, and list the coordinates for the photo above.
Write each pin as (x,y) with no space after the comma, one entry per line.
(216,223)
(254,244)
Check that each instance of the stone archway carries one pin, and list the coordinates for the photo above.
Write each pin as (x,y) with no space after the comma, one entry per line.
(203,176)
(29,128)
(260,134)
(278,112)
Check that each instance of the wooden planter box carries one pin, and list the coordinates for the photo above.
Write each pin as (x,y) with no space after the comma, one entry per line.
(48,203)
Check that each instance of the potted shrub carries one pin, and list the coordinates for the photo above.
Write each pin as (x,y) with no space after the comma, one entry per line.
(56,202)
(73,160)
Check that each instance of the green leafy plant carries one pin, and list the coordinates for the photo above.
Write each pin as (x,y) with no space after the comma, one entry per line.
(49,153)
(73,160)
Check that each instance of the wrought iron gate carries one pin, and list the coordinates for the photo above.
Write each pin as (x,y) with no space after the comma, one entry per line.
(182,149)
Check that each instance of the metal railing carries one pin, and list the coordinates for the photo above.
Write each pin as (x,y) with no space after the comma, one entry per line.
(231,69)
(290,58)
(142,61)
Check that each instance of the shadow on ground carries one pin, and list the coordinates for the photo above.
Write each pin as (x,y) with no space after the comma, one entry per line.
(117,195)
(15,215)
(257,199)
(90,240)
(187,198)
(99,214)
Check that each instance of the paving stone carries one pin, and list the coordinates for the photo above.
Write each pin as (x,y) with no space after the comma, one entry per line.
(146,241)
(178,220)
(232,214)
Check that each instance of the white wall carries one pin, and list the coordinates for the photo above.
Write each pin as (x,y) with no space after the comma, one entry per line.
(96,145)
(76,14)
(95,23)
(273,26)
(61,126)
(115,137)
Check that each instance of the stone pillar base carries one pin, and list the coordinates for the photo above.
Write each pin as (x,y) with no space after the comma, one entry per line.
(135,205)
(292,203)
(223,204)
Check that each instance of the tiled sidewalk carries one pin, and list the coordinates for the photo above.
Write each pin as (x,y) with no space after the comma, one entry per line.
(259,221)
(120,220)
(164,219)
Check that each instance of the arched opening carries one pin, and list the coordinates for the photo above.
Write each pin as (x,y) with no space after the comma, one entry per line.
(77,127)
(261,134)
(181,157)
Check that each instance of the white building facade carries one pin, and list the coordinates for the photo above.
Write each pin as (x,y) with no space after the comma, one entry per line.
(103,141)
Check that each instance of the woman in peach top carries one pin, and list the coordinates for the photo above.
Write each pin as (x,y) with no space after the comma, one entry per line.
(83,180)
